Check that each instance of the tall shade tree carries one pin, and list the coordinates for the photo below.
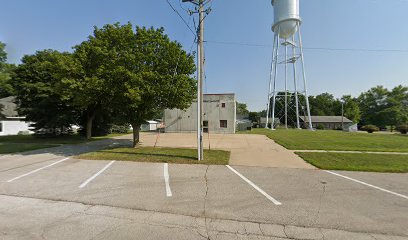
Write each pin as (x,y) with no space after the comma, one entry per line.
(133,74)
(371,104)
(351,108)
(37,83)
(323,105)
(5,73)
(396,111)
(159,78)
(106,59)
(242,109)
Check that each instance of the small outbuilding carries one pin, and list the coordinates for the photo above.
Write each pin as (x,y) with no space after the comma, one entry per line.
(244,125)
(330,123)
(10,122)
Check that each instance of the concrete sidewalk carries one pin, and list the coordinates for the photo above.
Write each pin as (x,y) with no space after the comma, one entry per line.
(246,149)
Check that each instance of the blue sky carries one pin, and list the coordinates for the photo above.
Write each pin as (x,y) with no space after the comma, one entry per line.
(27,26)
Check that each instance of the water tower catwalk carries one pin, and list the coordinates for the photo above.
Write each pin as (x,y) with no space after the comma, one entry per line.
(287,103)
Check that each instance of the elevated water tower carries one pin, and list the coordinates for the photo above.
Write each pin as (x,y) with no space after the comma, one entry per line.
(286,101)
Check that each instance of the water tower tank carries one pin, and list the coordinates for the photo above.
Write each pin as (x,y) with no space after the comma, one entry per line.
(286,13)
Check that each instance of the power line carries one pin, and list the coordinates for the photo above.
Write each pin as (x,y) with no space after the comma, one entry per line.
(310,48)
(181,17)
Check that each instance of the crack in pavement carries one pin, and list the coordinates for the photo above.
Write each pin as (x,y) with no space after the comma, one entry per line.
(205,202)
(207,228)
(320,202)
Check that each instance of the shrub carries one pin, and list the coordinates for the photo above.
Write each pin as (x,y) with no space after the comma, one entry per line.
(370,128)
(23,133)
(320,127)
(120,128)
(403,129)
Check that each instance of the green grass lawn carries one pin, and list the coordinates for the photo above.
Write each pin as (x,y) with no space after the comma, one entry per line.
(6,148)
(336,140)
(70,139)
(21,143)
(165,155)
(358,162)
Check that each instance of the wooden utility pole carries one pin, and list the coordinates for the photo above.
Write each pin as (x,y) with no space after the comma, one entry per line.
(200,73)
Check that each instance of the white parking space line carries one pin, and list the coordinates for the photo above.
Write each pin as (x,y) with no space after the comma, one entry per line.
(38,169)
(254,186)
(96,174)
(166,179)
(368,185)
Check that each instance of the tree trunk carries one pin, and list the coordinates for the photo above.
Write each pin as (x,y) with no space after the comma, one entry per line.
(89,121)
(136,130)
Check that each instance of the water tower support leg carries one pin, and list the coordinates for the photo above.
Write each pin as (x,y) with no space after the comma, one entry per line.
(270,82)
(295,82)
(286,84)
(304,78)
(275,78)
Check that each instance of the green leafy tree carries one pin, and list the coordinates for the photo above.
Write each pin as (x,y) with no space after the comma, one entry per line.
(3,54)
(396,112)
(106,54)
(159,77)
(351,108)
(254,117)
(5,73)
(323,105)
(131,74)
(372,104)
(37,84)
(242,109)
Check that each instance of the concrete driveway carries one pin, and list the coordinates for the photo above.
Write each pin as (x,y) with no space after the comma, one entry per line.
(246,149)
(50,195)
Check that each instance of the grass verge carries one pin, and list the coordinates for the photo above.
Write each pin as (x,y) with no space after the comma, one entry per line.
(6,148)
(357,162)
(164,155)
(336,140)
(22,143)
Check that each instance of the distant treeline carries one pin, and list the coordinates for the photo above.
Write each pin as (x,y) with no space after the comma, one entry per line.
(378,106)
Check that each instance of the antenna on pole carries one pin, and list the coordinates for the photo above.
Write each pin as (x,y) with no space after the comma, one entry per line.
(200,71)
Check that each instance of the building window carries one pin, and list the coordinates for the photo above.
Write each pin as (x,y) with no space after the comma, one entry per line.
(205,123)
(1,127)
(223,124)
(223,105)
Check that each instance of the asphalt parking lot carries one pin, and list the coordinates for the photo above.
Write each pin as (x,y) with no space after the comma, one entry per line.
(51,196)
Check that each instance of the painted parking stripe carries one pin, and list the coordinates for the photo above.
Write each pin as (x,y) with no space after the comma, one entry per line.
(38,169)
(254,186)
(96,174)
(368,185)
(166,179)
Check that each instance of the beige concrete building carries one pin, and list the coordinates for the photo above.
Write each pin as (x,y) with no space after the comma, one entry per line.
(219,115)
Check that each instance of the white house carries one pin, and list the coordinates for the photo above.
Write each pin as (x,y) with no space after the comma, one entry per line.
(11,123)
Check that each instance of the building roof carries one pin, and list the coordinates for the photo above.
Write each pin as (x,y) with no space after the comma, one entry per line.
(9,107)
(327,119)
(152,122)
(263,120)
(217,94)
